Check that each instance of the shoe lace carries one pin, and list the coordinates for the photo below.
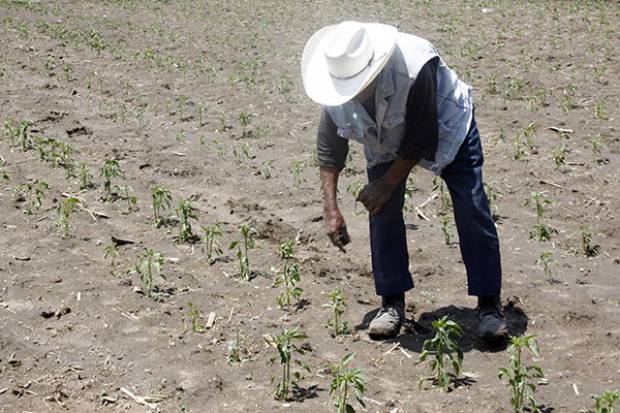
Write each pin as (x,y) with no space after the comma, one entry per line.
(393,310)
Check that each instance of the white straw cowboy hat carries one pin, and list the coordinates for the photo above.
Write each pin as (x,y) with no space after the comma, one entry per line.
(339,61)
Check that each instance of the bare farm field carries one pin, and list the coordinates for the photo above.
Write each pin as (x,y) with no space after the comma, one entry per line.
(162,246)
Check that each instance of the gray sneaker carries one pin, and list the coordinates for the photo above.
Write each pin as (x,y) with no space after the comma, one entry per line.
(492,324)
(388,321)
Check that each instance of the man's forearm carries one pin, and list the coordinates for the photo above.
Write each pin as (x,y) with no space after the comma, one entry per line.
(398,171)
(329,183)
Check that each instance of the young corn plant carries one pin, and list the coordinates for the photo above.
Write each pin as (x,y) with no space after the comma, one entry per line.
(33,192)
(541,231)
(246,243)
(597,146)
(148,266)
(160,200)
(211,241)
(265,169)
(245,119)
(587,248)
(338,305)
(125,194)
(288,276)
(185,214)
(65,208)
(85,177)
(239,349)
(195,316)
(493,196)
(354,189)
(111,252)
(445,221)
(605,402)
(544,260)
(110,170)
(287,348)
(442,349)
(347,382)
(297,168)
(18,133)
(520,376)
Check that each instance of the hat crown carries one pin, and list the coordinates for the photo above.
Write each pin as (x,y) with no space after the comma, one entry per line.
(349,50)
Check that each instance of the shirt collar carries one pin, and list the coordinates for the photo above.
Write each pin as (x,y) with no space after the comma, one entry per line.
(386,88)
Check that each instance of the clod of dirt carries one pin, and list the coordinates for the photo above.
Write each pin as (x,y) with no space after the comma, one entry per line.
(119,241)
(62,310)
(79,130)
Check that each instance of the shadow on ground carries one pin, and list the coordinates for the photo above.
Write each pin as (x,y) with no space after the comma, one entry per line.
(416,331)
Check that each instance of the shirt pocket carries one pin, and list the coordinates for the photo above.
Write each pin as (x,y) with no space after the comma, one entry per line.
(353,133)
(393,120)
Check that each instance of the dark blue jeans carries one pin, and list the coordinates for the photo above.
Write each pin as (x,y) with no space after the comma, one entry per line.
(474,223)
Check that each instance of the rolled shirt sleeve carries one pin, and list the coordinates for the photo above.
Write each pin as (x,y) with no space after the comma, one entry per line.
(331,149)
(421,130)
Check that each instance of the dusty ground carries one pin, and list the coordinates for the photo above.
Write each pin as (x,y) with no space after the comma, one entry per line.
(160,86)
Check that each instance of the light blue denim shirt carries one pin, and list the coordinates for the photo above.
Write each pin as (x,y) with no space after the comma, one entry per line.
(381,139)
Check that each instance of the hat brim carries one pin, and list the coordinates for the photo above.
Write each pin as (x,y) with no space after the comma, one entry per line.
(322,87)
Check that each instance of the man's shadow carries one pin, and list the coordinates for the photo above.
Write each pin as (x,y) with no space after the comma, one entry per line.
(416,331)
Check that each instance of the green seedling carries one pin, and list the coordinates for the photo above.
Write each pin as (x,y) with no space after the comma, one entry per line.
(211,241)
(148,266)
(597,146)
(288,276)
(446,203)
(443,349)
(195,316)
(160,200)
(241,153)
(544,260)
(520,377)
(354,189)
(297,168)
(600,110)
(185,214)
(181,102)
(265,169)
(587,248)
(125,194)
(24,136)
(17,133)
(541,231)
(445,221)
(606,401)
(493,196)
(568,98)
(286,347)
(111,252)
(65,208)
(85,177)
(244,120)
(247,242)
(110,169)
(33,192)
(559,155)
(519,149)
(239,349)
(492,85)
(528,132)
(347,382)
(338,305)
(95,41)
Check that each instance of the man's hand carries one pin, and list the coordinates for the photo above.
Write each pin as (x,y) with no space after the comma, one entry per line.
(336,227)
(375,195)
